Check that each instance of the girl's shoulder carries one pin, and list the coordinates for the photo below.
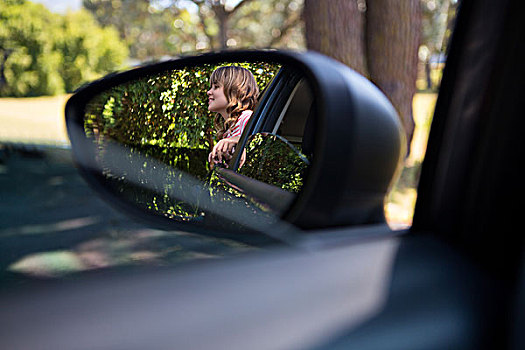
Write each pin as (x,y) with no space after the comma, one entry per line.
(243,118)
(245,115)
(239,125)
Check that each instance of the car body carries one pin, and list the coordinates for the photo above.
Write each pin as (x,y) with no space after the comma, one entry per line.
(454,280)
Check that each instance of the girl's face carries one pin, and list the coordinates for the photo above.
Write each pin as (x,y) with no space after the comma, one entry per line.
(217,101)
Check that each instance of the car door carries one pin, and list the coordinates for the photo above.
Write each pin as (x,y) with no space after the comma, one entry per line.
(441,285)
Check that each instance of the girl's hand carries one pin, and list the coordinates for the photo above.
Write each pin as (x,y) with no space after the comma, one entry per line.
(223,150)
(243,158)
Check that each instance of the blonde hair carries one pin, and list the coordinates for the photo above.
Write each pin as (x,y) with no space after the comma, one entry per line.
(240,90)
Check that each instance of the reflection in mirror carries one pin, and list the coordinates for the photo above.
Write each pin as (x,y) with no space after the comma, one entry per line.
(273,164)
(271,173)
(164,117)
(272,159)
(173,124)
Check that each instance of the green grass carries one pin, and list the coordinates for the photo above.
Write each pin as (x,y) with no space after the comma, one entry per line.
(33,120)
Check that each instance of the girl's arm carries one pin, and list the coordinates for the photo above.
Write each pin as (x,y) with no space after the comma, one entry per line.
(223,149)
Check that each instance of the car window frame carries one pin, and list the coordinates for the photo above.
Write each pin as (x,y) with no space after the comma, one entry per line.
(268,109)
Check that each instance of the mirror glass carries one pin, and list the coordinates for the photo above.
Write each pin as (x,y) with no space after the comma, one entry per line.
(207,142)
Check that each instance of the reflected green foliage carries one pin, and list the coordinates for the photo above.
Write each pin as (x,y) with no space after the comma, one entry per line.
(164,117)
(43,53)
(145,189)
(270,160)
(273,160)
(168,110)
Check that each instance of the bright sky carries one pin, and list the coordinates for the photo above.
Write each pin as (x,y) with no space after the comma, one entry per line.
(61,6)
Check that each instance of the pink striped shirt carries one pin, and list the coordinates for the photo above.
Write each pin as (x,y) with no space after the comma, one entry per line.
(239,125)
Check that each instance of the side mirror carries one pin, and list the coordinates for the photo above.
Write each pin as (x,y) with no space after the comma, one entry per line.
(318,150)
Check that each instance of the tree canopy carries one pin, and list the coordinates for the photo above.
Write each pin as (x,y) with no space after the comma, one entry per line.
(157,28)
(43,53)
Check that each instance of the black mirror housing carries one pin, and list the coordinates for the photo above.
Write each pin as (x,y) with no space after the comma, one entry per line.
(358,141)
(359,147)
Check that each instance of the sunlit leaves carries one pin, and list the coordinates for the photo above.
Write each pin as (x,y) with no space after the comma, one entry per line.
(273,160)
(164,117)
(157,28)
(42,53)
(167,110)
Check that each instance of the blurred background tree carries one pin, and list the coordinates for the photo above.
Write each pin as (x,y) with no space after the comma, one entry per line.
(250,23)
(157,28)
(43,53)
(377,38)
(437,24)
(367,35)
(144,27)
(29,59)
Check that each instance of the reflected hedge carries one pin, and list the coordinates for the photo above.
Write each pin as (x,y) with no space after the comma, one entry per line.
(165,117)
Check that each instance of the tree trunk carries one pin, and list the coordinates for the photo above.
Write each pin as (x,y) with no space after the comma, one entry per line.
(393,32)
(222,20)
(383,45)
(336,29)
(428,77)
(5,53)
